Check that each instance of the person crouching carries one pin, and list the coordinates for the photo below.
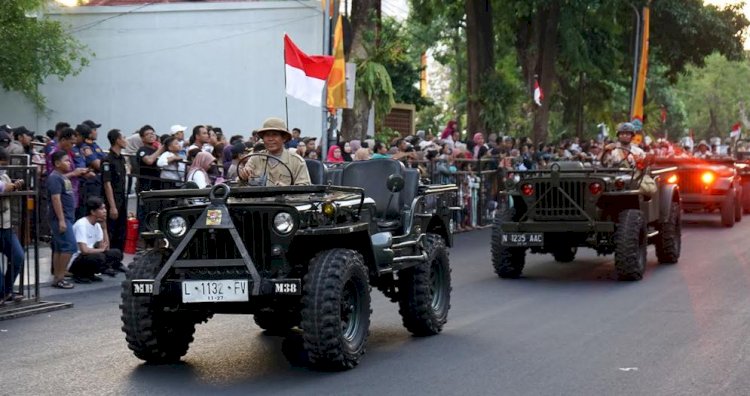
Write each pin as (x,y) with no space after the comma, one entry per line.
(94,255)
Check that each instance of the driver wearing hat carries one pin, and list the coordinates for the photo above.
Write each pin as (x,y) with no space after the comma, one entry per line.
(275,135)
(631,153)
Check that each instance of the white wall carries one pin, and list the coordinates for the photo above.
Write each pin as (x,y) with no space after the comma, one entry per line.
(180,63)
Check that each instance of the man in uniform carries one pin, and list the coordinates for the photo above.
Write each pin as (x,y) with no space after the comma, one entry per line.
(269,170)
(87,157)
(625,153)
(630,153)
(114,176)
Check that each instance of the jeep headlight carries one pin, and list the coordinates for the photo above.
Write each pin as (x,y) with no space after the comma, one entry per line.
(283,223)
(177,226)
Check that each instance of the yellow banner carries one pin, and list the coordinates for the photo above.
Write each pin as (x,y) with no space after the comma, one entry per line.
(337,78)
(642,70)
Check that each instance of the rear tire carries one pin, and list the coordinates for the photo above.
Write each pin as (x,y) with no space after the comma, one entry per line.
(630,246)
(508,262)
(336,309)
(669,240)
(727,211)
(746,198)
(425,290)
(153,334)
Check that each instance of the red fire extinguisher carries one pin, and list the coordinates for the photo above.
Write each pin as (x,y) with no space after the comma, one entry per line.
(131,234)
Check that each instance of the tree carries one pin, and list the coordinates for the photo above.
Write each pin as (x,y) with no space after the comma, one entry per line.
(713,95)
(480,62)
(34,48)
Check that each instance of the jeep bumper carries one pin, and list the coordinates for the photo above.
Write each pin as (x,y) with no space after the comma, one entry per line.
(559,226)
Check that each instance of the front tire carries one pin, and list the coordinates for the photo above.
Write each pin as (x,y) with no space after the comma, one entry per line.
(669,240)
(508,262)
(336,309)
(153,334)
(727,211)
(425,290)
(630,246)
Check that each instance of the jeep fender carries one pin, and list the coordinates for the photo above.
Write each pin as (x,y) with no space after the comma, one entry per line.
(669,193)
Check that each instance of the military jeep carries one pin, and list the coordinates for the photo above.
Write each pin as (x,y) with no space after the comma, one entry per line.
(294,257)
(572,205)
(710,184)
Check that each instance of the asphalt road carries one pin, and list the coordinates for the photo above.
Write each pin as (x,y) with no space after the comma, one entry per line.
(564,329)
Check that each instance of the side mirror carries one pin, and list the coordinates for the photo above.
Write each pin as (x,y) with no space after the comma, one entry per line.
(395,183)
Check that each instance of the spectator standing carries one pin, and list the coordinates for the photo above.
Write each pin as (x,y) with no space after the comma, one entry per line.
(238,149)
(9,243)
(334,155)
(114,177)
(380,151)
(178,131)
(22,142)
(200,140)
(93,156)
(148,154)
(295,140)
(198,171)
(310,143)
(228,156)
(61,215)
(93,255)
(171,163)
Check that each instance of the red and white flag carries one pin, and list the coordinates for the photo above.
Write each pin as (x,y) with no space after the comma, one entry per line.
(306,75)
(538,94)
(736,129)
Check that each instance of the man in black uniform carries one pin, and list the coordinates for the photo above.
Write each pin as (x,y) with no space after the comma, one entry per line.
(147,172)
(114,176)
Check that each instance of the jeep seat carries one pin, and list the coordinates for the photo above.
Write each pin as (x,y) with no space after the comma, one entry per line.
(333,176)
(371,175)
(317,171)
(411,183)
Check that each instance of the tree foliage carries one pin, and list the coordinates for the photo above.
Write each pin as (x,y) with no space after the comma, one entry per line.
(713,95)
(35,48)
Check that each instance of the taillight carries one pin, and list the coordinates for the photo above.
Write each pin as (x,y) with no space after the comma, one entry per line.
(527,189)
(619,184)
(708,177)
(672,179)
(595,188)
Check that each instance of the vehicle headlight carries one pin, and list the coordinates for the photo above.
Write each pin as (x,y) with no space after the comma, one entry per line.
(283,223)
(177,226)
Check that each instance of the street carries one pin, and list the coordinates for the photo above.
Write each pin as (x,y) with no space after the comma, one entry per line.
(563,329)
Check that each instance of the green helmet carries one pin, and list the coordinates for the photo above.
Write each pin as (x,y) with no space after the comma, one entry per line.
(625,127)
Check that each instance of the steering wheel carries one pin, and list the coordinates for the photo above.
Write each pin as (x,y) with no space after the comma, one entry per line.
(619,164)
(262,179)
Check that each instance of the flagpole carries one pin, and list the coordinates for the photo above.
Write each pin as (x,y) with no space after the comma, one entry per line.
(286,97)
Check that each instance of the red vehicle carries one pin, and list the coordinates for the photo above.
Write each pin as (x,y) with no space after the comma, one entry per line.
(742,164)
(708,185)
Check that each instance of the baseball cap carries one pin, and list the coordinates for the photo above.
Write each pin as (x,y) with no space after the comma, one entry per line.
(22,130)
(91,124)
(4,137)
(6,128)
(307,139)
(178,128)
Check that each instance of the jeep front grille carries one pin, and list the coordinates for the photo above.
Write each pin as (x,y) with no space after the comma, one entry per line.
(217,244)
(552,204)
(690,181)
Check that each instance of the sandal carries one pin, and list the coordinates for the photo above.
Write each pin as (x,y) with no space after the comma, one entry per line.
(14,297)
(63,284)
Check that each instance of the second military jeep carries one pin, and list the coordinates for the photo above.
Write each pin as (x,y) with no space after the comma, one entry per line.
(571,205)
(294,256)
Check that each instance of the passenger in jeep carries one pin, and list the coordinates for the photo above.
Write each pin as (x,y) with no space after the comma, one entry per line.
(269,170)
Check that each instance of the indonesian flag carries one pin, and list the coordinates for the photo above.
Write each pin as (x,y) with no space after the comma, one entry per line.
(736,129)
(538,94)
(306,75)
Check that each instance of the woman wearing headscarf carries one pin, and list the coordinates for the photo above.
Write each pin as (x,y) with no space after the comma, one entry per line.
(449,129)
(346,151)
(334,155)
(480,149)
(198,171)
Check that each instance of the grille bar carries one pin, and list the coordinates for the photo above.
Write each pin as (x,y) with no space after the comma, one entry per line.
(554,205)
(690,181)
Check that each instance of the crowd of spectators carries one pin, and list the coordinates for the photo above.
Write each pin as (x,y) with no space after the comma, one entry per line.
(87,187)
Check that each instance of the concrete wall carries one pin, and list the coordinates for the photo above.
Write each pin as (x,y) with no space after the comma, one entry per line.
(180,63)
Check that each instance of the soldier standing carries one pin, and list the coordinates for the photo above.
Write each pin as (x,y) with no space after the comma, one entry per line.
(114,177)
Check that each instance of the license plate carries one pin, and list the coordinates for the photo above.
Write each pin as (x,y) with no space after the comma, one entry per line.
(523,239)
(215,291)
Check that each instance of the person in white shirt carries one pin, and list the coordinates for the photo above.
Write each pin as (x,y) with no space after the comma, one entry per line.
(171,162)
(94,255)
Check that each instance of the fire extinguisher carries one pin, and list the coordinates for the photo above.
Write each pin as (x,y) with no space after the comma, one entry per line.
(131,234)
